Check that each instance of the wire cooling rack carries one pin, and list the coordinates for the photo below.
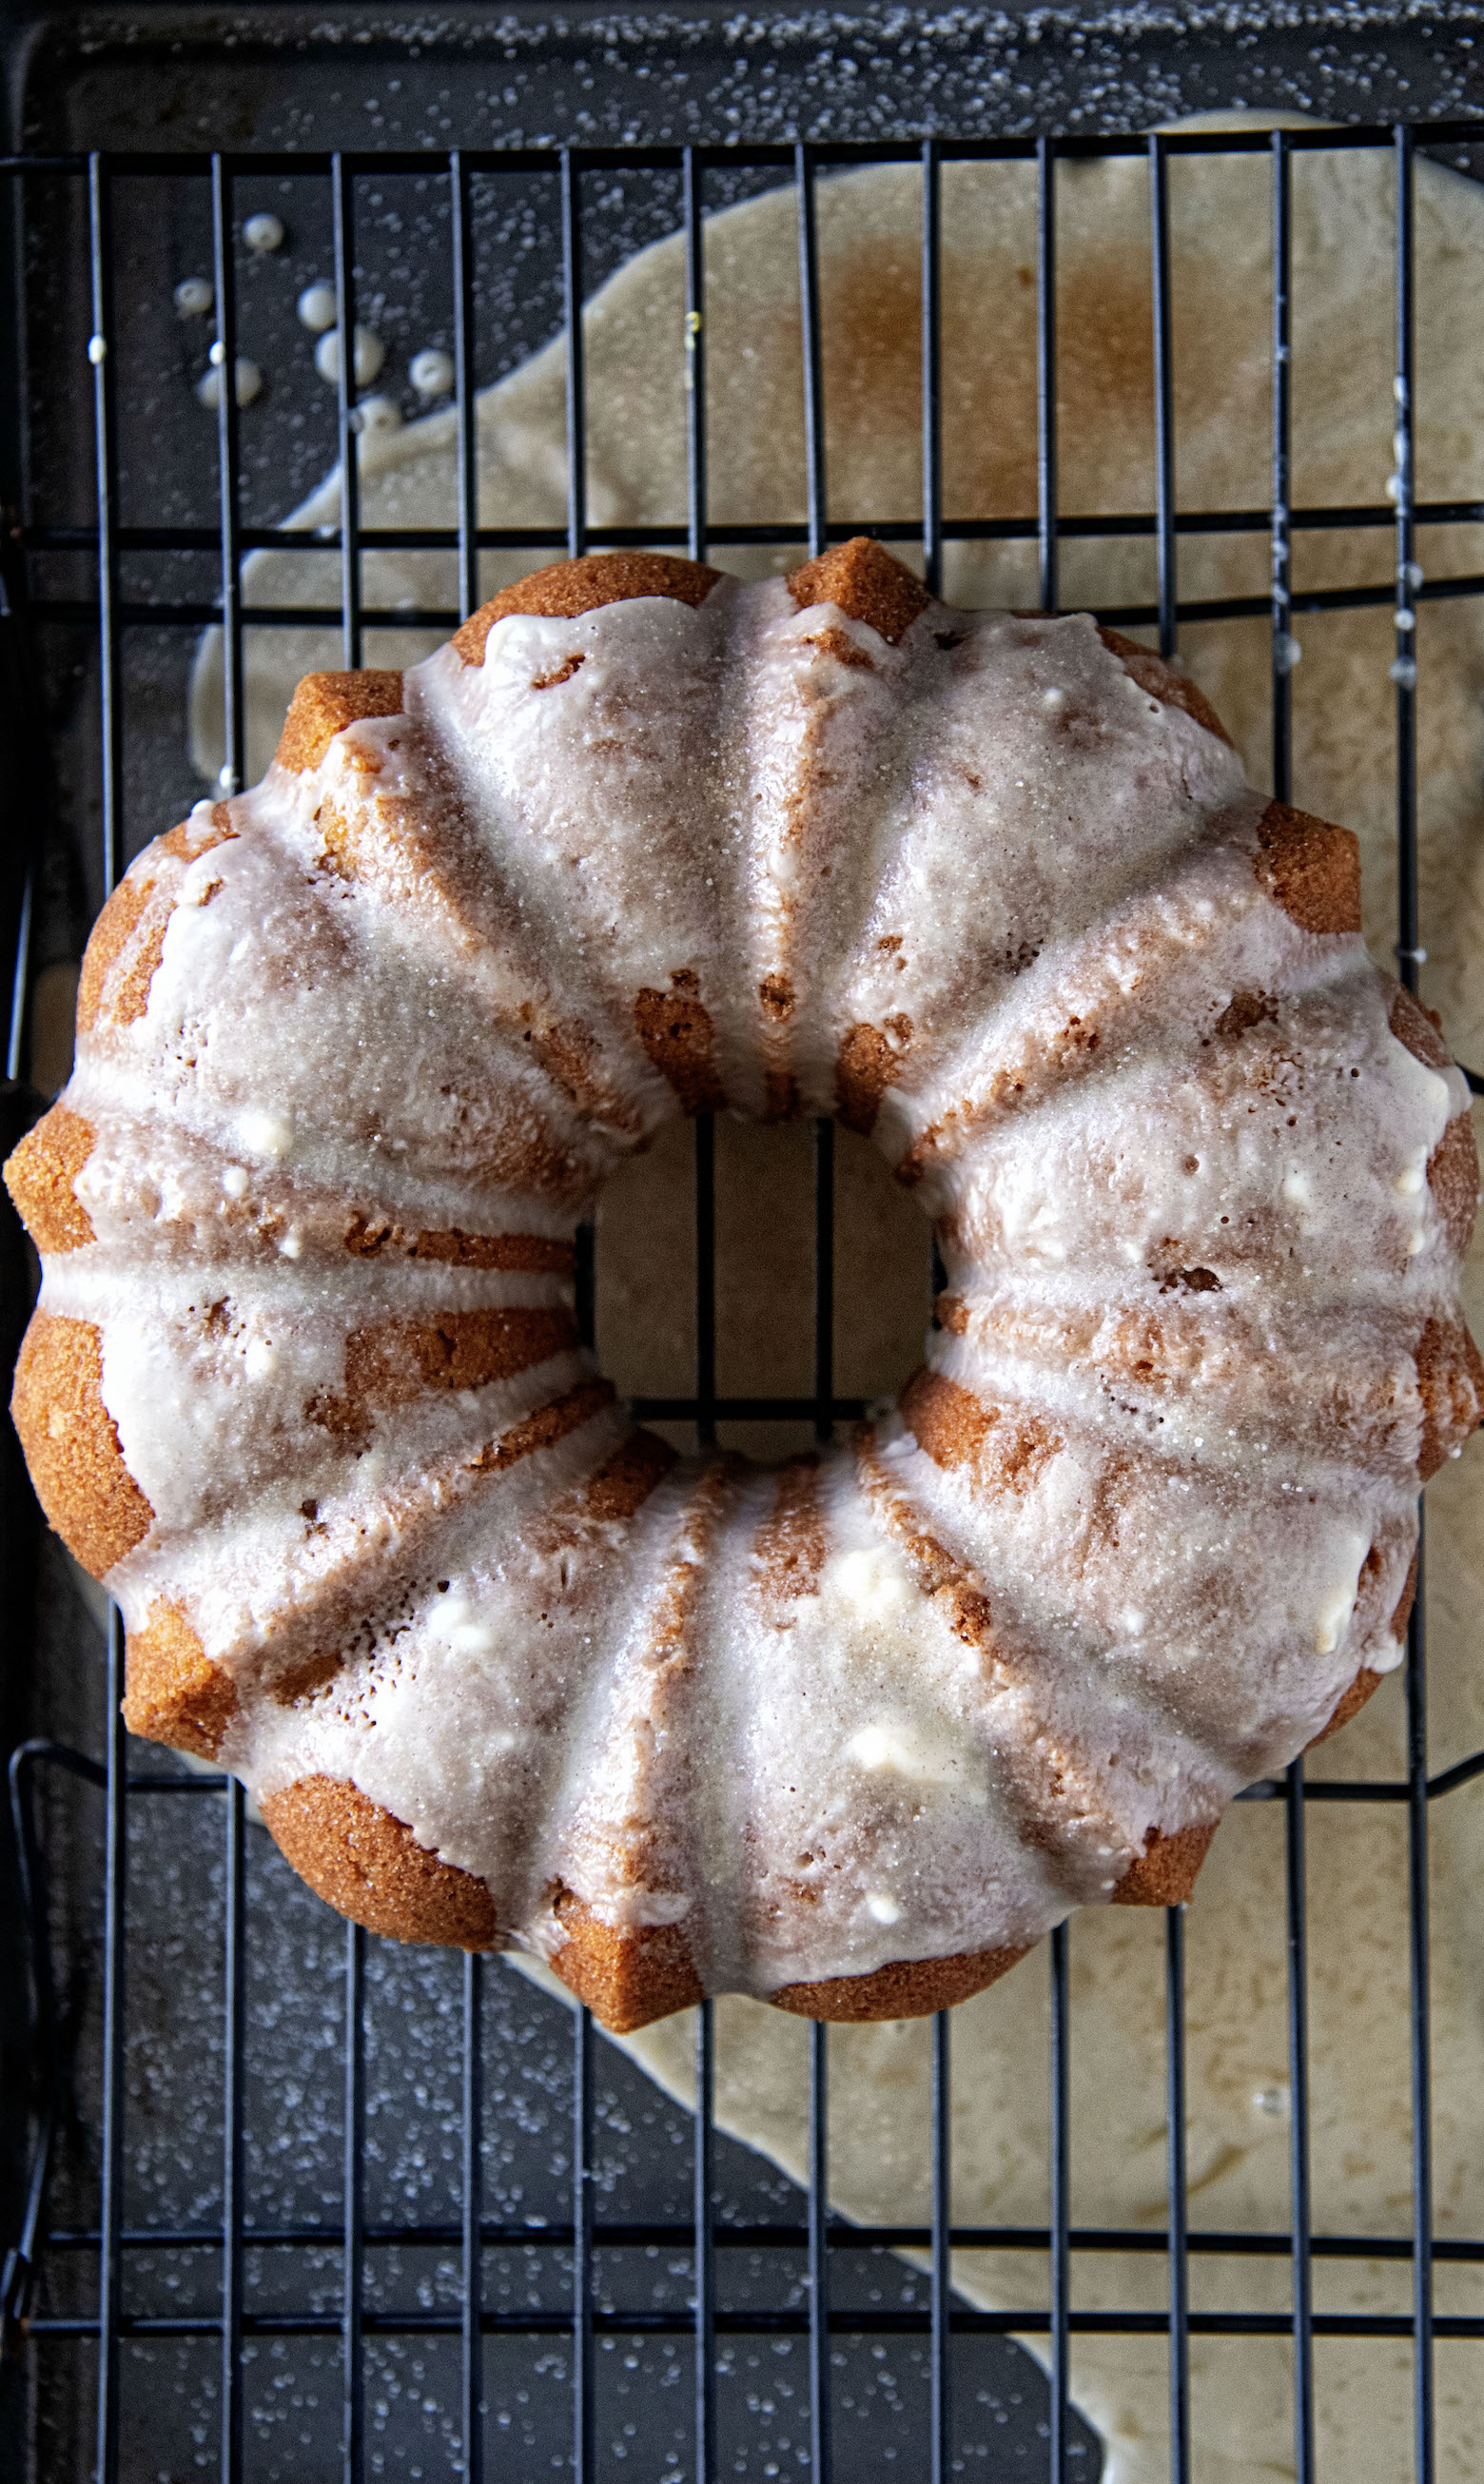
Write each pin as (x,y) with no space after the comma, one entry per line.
(344,2303)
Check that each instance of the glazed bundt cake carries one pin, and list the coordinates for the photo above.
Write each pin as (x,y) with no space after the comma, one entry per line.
(356,1050)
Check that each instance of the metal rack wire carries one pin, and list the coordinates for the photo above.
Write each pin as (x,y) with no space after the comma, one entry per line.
(113,615)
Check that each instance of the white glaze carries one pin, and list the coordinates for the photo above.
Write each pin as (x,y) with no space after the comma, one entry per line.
(983,847)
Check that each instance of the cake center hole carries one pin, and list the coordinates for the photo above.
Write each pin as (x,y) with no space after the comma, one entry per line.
(646,1287)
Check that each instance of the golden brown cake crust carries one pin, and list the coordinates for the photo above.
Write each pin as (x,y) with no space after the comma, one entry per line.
(1419,1028)
(529,1253)
(1309,869)
(1164,1875)
(173,1693)
(1367,1683)
(863,1069)
(401,1358)
(861,578)
(1349,1705)
(1453,1178)
(110,935)
(1010,1446)
(675,1029)
(569,588)
(627,1979)
(911,1988)
(790,1547)
(111,942)
(1163,683)
(71,1443)
(39,1176)
(550,1422)
(1450,1382)
(624,1482)
(468,1349)
(1407,1599)
(324,704)
(370,1866)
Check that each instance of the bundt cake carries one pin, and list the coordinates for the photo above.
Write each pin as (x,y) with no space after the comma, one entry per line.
(356,1050)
